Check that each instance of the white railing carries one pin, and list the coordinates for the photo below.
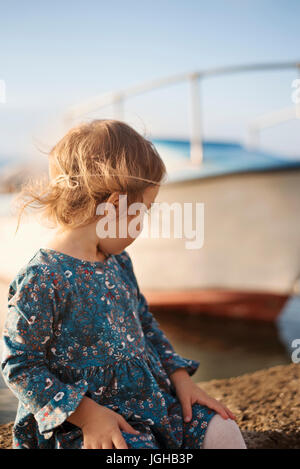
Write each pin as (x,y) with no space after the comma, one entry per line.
(117,99)
(268,120)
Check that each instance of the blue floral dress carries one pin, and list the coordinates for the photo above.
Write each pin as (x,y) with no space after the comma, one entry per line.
(77,328)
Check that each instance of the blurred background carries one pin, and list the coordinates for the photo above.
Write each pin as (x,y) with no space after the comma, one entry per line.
(214,86)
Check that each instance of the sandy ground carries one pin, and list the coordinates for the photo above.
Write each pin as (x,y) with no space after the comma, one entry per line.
(266,403)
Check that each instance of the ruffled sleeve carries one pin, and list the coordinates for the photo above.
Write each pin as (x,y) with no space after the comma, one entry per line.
(170,360)
(35,299)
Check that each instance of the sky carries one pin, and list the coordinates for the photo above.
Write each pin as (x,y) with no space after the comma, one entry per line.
(56,54)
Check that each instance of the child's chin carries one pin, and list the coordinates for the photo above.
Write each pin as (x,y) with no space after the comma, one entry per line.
(117,251)
(120,251)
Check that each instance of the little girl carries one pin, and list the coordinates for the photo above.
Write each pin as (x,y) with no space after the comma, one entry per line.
(82,351)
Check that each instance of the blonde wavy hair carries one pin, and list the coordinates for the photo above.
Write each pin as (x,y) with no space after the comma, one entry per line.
(92,161)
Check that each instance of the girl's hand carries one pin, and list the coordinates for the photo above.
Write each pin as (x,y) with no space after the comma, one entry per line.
(101,426)
(103,430)
(189,393)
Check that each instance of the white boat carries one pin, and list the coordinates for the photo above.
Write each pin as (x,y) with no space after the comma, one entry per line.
(251,252)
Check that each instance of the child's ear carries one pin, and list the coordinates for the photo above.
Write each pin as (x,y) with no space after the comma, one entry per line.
(114,199)
(119,201)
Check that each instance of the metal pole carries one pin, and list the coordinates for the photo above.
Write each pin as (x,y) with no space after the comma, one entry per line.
(271,119)
(195,113)
(254,137)
(119,107)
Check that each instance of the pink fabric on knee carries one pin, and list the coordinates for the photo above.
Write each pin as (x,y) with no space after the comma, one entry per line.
(223,434)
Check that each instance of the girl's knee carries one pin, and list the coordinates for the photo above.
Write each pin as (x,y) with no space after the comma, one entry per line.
(223,434)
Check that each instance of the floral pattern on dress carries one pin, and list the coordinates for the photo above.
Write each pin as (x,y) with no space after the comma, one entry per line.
(76,328)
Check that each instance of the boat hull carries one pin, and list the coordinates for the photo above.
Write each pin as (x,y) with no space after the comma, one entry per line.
(251,240)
